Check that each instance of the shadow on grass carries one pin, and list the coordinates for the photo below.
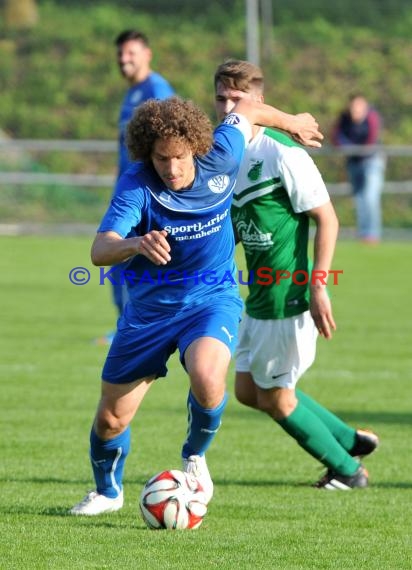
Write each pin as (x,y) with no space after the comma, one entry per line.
(359,417)
(109,520)
(116,522)
(140,481)
(351,416)
(303,484)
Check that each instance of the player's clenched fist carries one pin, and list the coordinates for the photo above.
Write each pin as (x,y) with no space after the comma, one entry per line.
(155,247)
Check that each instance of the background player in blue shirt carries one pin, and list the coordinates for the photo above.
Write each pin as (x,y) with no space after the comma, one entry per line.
(134,58)
(169,220)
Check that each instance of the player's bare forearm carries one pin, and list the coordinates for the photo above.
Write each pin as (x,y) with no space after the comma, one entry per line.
(303,127)
(109,248)
(327,226)
(326,234)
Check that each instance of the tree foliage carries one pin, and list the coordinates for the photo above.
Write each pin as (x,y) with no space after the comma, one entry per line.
(61,80)
(20,14)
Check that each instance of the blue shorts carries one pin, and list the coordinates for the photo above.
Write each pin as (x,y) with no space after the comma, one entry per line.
(142,347)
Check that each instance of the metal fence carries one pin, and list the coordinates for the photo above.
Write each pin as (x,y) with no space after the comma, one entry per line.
(110,147)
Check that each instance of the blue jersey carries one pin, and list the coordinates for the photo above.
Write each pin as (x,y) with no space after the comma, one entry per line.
(154,87)
(197,220)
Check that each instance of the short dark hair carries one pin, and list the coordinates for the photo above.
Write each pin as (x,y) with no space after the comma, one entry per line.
(128,35)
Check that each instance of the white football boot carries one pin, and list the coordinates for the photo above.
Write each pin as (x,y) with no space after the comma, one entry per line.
(196,466)
(96,504)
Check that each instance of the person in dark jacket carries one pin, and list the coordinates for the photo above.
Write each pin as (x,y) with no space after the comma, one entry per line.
(360,124)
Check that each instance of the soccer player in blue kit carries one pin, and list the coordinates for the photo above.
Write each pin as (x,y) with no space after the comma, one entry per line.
(133,58)
(170,219)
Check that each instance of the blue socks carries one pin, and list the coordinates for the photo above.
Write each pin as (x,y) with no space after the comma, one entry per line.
(203,423)
(107,458)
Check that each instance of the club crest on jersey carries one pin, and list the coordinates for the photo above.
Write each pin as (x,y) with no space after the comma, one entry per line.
(232,119)
(218,184)
(136,97)
(255,170)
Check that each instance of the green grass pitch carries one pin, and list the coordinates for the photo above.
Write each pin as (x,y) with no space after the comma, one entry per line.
(264,513)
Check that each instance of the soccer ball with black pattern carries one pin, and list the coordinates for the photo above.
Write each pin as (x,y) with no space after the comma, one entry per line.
(173,500)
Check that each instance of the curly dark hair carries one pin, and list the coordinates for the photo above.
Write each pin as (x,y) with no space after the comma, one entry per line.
(171,118)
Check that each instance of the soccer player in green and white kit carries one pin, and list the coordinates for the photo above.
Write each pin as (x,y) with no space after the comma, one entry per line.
(278,190)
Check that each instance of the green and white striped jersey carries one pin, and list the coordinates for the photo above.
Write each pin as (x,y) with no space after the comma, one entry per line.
(277,183)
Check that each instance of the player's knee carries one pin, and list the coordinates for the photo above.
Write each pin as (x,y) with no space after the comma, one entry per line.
(267,406)
(278,403)
(108,425)
(208,394)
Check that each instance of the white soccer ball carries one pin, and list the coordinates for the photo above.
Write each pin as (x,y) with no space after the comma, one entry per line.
(173,500)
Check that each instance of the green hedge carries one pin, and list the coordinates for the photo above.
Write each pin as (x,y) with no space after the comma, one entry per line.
(60,79)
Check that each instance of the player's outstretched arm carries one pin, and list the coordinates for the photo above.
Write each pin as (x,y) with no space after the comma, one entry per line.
(109,248)
(302,127)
